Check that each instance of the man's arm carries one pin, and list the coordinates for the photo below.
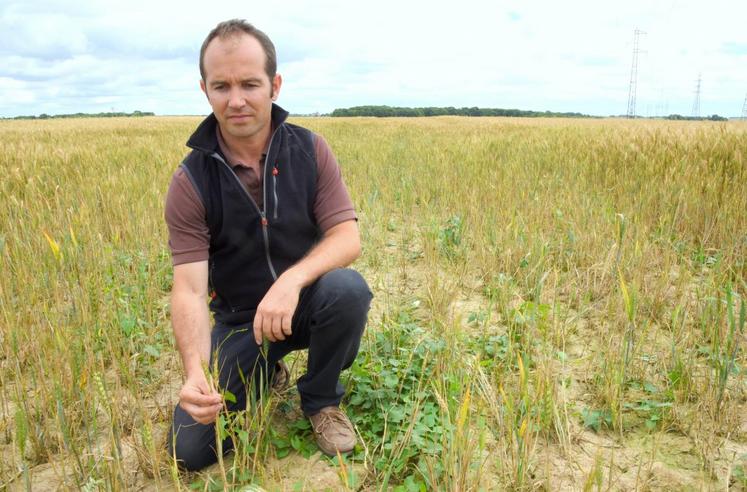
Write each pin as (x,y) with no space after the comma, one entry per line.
(339,247)
(191,323)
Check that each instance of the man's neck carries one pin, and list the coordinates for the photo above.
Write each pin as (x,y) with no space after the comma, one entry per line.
(247,149)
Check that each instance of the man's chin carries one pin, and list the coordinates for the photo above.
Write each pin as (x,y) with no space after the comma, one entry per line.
(240,131)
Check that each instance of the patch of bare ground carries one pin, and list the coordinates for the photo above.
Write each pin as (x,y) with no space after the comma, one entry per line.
(298,473)
(295,472)
(637,461)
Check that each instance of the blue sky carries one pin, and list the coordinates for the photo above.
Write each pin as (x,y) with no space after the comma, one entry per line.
(89,56)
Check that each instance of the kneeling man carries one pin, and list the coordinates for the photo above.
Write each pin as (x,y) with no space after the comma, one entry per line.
(259,219)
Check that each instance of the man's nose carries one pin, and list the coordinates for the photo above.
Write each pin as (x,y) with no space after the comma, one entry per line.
(235,98)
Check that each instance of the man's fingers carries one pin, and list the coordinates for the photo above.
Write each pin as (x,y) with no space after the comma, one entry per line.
(286,325)
(274,327)
(267,328)
(202,407)
(198,399)
(277,329)
(195,397)
(202,415)
(258,328)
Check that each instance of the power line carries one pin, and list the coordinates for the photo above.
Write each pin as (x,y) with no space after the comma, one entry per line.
(744,108)
(696,102)
(634,74)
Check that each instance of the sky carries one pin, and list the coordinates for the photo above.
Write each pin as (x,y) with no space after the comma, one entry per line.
(70,56)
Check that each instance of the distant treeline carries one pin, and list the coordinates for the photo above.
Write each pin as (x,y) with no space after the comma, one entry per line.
(713,117)
(45,116)
(383,111)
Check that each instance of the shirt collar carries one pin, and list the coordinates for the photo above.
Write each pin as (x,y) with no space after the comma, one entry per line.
(204,137)
(230,157)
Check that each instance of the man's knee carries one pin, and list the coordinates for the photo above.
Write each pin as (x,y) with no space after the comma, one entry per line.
(191,452)
(345,287)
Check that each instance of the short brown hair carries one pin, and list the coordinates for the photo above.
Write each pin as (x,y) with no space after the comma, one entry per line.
(234,27)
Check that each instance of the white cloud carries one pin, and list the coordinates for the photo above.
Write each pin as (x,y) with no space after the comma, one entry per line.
(563,56)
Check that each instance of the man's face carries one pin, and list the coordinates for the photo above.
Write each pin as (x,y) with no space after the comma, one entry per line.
(237,86)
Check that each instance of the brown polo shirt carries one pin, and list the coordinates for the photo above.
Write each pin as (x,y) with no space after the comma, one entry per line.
(189,237)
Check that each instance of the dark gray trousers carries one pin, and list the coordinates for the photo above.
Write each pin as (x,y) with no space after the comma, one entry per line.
(329,321)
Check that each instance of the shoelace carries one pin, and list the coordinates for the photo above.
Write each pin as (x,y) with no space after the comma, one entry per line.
(329,418)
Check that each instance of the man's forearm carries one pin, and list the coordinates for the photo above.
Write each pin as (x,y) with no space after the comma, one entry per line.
(191,323)
(338,248)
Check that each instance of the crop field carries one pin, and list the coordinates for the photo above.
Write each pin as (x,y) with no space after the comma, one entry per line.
(559,305)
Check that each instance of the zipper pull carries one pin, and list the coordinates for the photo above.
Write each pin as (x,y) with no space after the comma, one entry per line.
(264,220)
(275,171)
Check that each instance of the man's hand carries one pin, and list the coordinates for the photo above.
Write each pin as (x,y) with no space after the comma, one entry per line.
(338,248)
(275,312)
(199,401)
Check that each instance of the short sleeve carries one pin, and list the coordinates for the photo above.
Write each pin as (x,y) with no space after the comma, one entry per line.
(189,236)
(332,205)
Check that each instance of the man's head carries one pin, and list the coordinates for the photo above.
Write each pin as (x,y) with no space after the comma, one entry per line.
(235,27)
(237,64)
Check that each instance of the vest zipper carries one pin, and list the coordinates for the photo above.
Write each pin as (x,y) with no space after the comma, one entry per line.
(275,191)
(265,235)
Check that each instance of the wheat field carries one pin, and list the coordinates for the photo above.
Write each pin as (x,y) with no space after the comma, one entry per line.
(559,305)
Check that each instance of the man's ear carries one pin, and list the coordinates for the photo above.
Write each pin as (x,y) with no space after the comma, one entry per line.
(203,88)
(277,82)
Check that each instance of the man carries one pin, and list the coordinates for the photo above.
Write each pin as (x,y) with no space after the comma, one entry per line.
(260,219)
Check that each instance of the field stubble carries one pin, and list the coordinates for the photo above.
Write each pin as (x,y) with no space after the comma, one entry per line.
(559,304)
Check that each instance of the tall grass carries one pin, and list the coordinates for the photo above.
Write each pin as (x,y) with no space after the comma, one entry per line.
(539,285)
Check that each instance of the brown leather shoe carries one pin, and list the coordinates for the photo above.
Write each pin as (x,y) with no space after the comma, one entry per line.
(333,431)
(280,377)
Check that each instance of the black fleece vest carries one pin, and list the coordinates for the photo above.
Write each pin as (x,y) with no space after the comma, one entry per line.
(250,247)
